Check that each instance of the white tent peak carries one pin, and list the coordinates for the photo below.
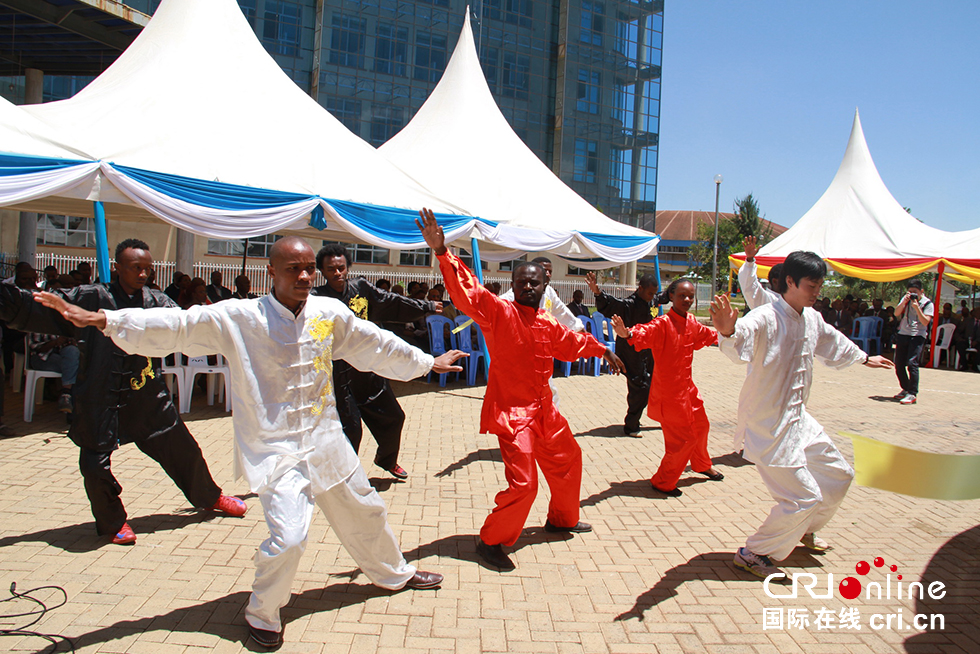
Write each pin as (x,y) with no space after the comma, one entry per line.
(460,146)
(857,217)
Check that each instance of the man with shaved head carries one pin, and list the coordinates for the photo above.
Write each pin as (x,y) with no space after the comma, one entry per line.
(288,438)
(518,406)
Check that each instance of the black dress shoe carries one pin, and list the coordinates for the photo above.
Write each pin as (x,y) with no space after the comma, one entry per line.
(674,492)
(713,476)
(580,528)
(265,638)
(494,555)
(424,580)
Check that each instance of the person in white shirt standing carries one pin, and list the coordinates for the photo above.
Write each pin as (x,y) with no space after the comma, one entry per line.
(914,312)
(795,457)
(289,443)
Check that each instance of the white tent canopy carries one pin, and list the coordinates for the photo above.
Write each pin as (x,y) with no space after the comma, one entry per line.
(461,147)
(857,217)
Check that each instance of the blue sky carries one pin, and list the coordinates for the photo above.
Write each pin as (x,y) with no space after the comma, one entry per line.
(764,93)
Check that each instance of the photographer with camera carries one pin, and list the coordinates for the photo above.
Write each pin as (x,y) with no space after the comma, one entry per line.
(914,312)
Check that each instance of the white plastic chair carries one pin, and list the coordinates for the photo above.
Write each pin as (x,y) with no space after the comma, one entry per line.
(943,342)
(35,378)
(200,366)
(178,372)
(17,371)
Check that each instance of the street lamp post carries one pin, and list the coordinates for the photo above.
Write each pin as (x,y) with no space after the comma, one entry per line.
(714,260)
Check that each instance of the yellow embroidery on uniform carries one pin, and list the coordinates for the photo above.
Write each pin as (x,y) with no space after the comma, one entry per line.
(321,330)
(146,372)
(547,305)
(359,305)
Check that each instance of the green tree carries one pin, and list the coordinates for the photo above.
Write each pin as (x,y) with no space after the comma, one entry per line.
(747,220)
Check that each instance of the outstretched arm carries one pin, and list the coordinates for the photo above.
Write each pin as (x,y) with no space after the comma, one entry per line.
(723,316)
(74,314)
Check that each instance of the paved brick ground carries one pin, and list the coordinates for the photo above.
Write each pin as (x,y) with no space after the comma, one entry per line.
(655,576)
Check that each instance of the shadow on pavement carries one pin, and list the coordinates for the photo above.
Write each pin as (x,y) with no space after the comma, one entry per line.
(381,484)
(486,454)
(715,566)
(614,431)
(462,547)
(957,565)
(882,398)
(731,460)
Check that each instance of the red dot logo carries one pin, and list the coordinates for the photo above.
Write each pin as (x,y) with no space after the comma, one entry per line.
(879,561)
(893,568)
(849,588)
(862,568)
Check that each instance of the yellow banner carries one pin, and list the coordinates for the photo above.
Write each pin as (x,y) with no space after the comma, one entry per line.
(910,472)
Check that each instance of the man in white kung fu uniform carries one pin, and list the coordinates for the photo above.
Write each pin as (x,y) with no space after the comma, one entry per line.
(798,462)
(288,439)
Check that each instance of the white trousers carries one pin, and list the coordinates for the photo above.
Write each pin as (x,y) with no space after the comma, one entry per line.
(357,515)
(806,498)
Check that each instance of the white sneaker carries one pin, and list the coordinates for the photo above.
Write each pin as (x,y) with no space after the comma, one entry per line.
(899,395)
(815,544)
(908,399)
(758,564)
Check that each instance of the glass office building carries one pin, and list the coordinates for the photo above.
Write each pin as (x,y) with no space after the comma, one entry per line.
(578,80)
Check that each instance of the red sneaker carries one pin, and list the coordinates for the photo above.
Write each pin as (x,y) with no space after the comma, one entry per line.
(230,506)
(126,536)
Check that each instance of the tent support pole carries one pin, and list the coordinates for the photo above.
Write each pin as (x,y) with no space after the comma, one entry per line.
(935,316)
(730,269)
(244,256)
(478,265)
(656,270)
(101,243)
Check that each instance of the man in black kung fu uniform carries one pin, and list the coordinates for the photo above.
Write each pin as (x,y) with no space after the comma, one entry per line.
(364,395)
(120,398)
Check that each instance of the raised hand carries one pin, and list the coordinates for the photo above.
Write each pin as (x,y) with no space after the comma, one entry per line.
(593,286)
(620,327)
(431,231)
(751,247)
(723,316)
(438,307)
(879,362)
(615,363)
(444,362)
(74,314)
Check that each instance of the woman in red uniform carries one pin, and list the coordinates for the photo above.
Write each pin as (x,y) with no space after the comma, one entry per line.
(674,399)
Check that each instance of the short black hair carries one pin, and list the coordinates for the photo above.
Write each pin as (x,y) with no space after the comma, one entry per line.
(382,282)
(802,264)
(412,287)
(540,260)
(914,283)
(526,264)
(776,281)
(664,297)
(50,267)
(133,243)
(648,280)
(331,250)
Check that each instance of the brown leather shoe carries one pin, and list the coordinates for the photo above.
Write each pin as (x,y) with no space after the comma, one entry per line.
(494,555)
(265,638)
(580,528)
(424,580)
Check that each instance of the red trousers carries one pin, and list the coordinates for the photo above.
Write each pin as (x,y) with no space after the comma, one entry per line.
(545,441)
(683,441)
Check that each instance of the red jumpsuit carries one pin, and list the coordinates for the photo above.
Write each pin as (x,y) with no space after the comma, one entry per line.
(674,399)
(518,408)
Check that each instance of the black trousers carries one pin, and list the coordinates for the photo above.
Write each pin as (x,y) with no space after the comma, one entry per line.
(177,453)
(368,397)
(639,368)
(907,351)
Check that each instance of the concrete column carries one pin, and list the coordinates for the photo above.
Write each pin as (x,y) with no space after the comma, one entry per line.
(185,252)
(624,274)
(631,273)
(27,237)
(34,86)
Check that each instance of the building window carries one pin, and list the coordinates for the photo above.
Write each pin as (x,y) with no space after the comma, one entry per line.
(575,270)
(347,38)
(508,266)
(593,22)
(385,123)
(430,56)
(515,12)
(467,258)
(514,75)
(346,111)
(258,246)
(488,58)
(65,230)
(360,253)
(281,27)
(248,8)
(419,257)
(587,97)
(391,50)
(586,161)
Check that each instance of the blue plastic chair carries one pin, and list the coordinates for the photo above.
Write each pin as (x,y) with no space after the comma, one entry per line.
(590,364)
(436,325)
(605,334)
(464,342)
(867,332)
